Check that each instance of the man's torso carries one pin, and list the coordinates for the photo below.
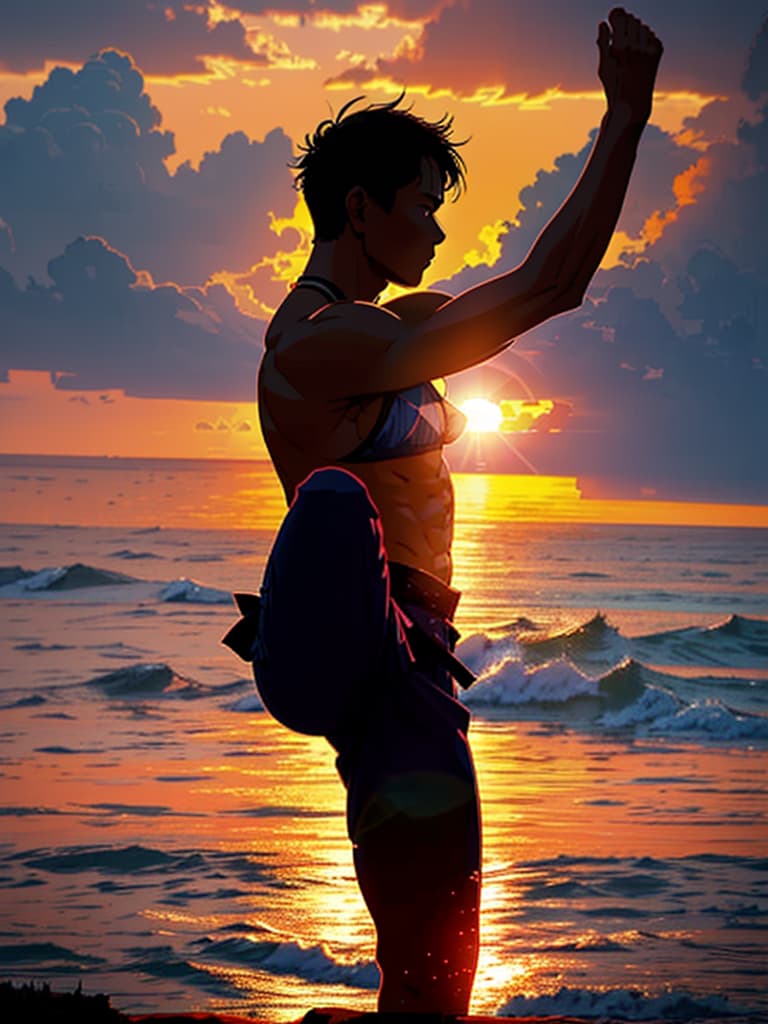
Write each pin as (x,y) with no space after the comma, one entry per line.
(392,442)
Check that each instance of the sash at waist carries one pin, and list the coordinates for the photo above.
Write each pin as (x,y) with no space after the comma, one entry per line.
(415,586)
(421,597)
(418,594)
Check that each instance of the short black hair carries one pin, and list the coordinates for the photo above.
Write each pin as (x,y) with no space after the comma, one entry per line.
(379,148)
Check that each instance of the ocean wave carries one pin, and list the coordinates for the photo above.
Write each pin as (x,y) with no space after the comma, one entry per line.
(112,860)
(16,581)
(187,590)
(36,645)
(164,962)
(147,679)
(594,642)
(250,702)
(629,697)
(139,862)
(737,642)
(660,712)
(64,577)
(27,812)
(130,555)
(312,963)
(585,944)
(13,573)
(511,683)
(33,701)
(625,1004)
(44,955)
(482,652)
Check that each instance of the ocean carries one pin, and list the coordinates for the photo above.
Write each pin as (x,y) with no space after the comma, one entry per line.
(166,842)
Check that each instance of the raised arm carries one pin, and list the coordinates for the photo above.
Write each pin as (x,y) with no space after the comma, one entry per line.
(374,349)
(555,274)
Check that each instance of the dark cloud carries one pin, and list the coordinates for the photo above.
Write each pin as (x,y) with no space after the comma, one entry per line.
(529,48)
(102,326)
(665,365)
(85,155)
(166,38)
(755,81)
(659,161)
(681,414)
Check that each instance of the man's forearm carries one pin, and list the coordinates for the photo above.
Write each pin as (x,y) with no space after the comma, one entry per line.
(569,250)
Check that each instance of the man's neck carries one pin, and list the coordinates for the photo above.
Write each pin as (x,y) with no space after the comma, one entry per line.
(343,262)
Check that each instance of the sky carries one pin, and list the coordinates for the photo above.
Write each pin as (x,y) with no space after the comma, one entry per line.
(149,225)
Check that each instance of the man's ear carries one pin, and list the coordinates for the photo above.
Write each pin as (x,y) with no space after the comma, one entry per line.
(356,203)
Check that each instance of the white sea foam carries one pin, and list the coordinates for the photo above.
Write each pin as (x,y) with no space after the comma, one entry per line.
(511,683)
(312,962)
(482,652)
(190,591)
(654,704)
(660,712)
(251,702)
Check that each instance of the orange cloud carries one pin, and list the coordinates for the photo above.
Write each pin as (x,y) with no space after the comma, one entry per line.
(686,187)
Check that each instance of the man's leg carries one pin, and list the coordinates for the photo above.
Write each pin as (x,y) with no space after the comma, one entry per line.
(421,882)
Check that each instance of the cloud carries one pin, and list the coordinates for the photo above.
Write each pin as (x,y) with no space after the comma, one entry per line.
(102,325)
(403,10)
(665,365)
(168,38)
(85,155)
(660,160)
(755,81)
(527,49)
(684,414)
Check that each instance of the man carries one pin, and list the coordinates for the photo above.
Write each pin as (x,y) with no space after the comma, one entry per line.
(352,637)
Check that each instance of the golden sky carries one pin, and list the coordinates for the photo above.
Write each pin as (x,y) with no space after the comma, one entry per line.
(202,231)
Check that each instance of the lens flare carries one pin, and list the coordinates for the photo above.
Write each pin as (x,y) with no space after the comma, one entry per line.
(483,416)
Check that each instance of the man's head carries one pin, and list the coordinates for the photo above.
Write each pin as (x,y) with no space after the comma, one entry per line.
(380,149)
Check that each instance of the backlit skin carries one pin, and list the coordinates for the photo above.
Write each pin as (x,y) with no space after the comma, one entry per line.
(327,366)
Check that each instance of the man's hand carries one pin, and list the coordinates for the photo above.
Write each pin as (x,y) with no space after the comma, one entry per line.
(629,58)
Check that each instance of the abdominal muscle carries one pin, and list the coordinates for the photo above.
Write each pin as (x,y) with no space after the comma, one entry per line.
(413,494)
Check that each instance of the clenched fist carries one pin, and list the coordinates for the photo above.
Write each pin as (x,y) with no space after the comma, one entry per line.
(629,58)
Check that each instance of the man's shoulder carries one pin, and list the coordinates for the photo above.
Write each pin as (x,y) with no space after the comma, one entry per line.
(415,307)
(297,319)
(352,348)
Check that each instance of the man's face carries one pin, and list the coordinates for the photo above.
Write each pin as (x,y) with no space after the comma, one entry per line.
(400,244)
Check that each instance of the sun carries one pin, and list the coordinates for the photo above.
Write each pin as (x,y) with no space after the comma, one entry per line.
(483,416)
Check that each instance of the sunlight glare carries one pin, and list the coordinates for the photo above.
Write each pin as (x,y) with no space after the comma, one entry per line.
(483,416)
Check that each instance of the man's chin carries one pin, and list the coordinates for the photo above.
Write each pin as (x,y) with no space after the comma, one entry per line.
(404,279)
(411,281)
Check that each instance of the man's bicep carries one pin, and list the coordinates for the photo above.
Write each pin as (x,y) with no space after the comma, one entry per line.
(341,350)
(477,324)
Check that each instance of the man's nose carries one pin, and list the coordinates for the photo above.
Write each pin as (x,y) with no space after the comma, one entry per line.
(438,233)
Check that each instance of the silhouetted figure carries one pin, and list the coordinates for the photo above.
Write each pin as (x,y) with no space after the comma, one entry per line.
(352,636)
